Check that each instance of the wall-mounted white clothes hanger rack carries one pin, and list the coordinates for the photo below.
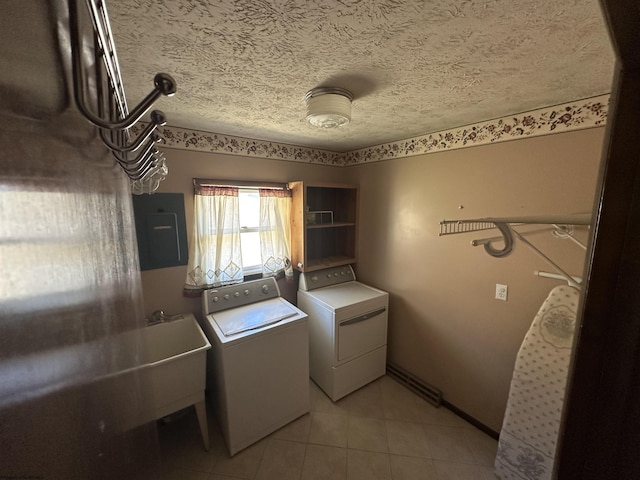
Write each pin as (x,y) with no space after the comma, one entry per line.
(555,276)
(560,225)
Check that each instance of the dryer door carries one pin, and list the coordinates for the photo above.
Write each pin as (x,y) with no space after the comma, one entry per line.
(361,334)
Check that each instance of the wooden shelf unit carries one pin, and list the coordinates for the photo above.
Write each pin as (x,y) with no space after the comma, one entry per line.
(317,243)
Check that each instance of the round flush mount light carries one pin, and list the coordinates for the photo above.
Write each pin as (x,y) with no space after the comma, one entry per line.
(328,107)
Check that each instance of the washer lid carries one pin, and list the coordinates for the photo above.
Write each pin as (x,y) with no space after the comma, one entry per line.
(346,294)
(253,316)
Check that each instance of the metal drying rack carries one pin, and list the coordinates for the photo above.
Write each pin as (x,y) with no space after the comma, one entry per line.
(139,158)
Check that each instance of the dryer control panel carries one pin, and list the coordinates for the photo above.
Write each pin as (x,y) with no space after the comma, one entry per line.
(326,277)
(239,294)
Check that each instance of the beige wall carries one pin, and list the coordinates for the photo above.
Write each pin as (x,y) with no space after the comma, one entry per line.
(445,326)
(162,288)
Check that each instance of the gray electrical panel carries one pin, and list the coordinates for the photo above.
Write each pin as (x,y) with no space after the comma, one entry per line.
(161,230)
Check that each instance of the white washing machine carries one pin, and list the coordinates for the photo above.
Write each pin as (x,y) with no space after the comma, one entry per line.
(258,365)
(347,329)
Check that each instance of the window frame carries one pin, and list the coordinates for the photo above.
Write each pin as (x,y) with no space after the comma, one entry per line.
(250,270)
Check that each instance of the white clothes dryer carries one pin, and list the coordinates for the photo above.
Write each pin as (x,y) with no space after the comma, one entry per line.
(258,365)
(347,329)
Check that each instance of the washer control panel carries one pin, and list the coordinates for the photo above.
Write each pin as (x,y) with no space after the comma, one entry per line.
(239,294)
(326,277)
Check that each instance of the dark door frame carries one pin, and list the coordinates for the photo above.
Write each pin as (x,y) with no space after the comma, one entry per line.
(600,435)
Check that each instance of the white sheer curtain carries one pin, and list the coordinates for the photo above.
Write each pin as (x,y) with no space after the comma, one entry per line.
(275,232)
(215,255)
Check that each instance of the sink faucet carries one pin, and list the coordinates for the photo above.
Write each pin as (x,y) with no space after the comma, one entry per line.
(156,317)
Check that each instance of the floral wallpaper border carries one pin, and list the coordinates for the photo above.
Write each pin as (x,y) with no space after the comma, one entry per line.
(581,114)
(186,139)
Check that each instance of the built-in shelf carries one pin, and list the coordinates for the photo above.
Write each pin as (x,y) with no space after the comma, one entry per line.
(328,262)
(331,225)
(323,225)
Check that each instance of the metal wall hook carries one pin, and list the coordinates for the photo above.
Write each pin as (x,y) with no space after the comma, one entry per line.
(126,163)
(157,119)
(153,157)
(149,169)
(507,238)
(148,161)
(163,83)
(137,173)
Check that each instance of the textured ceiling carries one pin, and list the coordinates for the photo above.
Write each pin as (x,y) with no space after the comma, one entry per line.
(243,67)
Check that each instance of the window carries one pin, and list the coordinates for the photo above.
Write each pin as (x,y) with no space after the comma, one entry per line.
(237,232)
(249,201)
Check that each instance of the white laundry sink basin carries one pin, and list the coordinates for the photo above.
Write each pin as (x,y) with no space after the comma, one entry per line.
(169,341)
(172,369)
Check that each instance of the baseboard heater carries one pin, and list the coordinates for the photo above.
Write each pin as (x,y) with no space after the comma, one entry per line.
(426,391)
(433,396)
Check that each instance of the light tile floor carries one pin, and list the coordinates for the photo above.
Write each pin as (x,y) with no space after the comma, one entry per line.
(381,432)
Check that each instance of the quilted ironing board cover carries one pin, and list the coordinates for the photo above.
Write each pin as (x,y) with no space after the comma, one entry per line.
(527,445)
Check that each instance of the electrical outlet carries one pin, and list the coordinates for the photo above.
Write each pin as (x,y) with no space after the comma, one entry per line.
(501,292)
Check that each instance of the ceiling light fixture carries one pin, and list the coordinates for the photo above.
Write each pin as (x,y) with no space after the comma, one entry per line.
(328,107)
